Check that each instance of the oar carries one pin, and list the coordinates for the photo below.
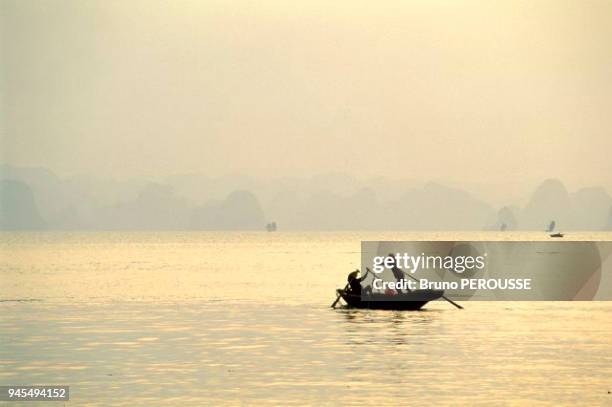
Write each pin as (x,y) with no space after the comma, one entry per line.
(419,281)
(338,296)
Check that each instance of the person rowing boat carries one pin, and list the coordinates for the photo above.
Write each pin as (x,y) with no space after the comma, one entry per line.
(354,283)
(353,287)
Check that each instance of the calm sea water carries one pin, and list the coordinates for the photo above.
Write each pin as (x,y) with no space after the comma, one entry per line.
(233,318)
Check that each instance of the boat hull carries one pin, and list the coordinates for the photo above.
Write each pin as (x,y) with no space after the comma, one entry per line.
(412,301)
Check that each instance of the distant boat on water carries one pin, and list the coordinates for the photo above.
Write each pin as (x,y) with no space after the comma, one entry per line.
(551,228)
(271,227)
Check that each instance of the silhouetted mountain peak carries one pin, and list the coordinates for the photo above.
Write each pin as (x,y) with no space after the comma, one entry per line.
(17,207)
(239,211)
(550,201)
(551,190)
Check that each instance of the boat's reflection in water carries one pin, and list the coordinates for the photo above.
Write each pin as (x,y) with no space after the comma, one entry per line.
(390,327)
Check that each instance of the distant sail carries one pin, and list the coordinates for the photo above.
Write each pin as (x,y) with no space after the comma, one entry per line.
(271,227)
(551,227)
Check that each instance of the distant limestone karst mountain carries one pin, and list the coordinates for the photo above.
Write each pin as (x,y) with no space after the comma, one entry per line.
(550,200)
(590,208)
(505,219)
(18,209)
(36,198)
(239,211)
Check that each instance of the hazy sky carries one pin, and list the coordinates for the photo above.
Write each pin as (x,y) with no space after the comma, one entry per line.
(489,92)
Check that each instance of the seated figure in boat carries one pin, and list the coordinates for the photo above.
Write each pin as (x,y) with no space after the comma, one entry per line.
(354,282)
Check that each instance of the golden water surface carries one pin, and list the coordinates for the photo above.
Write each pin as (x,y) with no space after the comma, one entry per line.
(179,318)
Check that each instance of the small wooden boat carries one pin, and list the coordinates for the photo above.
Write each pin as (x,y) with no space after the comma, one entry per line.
(411,301)
(558,234)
